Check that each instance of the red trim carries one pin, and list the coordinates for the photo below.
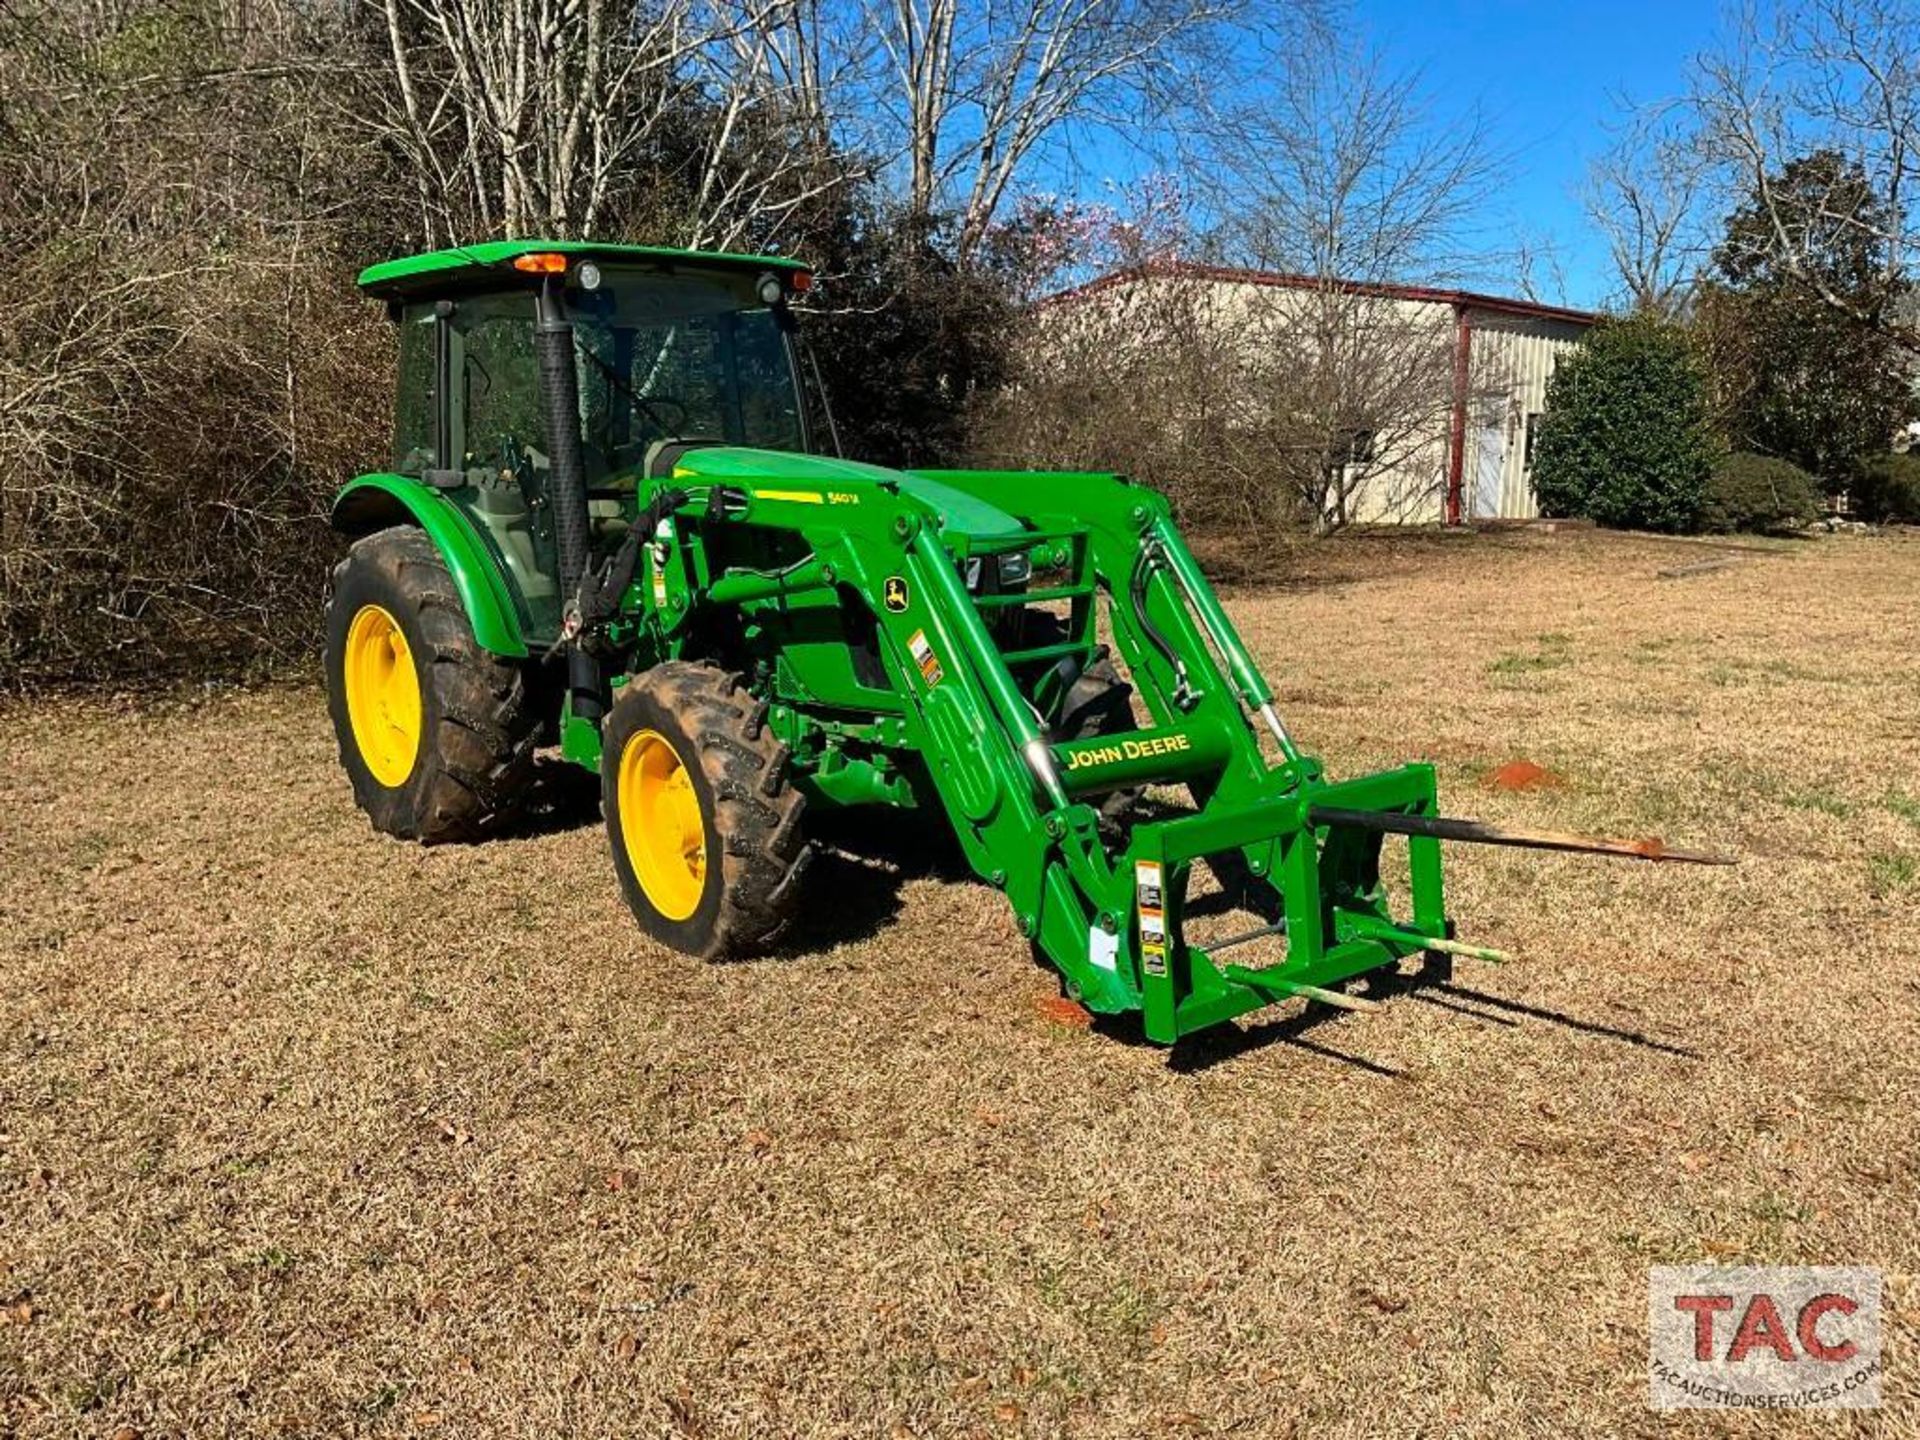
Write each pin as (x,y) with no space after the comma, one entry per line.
(1457,440)
(1193,270)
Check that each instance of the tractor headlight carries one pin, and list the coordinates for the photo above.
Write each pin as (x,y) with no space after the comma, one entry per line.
(1011,570)
(769,289)
(587,275)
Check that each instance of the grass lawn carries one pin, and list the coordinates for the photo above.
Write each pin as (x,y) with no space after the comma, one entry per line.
(308,1132)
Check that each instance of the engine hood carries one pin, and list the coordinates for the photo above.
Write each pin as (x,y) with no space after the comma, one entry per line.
(956,512)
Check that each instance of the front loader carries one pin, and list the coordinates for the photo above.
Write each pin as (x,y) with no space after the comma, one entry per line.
(613,525)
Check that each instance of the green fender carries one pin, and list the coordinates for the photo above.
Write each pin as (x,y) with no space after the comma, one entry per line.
(373,502)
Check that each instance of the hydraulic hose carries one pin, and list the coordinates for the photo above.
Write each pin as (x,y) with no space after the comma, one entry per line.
(1148,562)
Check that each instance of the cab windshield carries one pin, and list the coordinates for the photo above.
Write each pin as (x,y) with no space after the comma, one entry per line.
(680,357)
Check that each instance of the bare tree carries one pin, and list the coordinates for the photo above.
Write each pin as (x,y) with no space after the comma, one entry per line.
(1340,166)
(974,90)
(532,116)
(814,61)
(1645,193)
(764,145)
(1831,75)
(526,108)
(1339,176)
(1365,385)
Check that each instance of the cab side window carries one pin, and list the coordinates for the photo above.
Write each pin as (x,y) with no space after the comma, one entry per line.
(419,397)
(765,379)
(497,386)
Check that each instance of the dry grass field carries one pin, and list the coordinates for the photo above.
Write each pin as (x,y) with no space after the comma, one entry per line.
(307,1132)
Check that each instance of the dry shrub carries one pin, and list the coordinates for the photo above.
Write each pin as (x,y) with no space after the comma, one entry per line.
(1147,379)
(184,370)
(164,497)
(1253,406)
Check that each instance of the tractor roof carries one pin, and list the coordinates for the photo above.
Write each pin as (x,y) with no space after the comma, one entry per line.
(435,270)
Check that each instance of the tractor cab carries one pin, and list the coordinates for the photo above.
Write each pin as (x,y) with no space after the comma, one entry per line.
(673,350)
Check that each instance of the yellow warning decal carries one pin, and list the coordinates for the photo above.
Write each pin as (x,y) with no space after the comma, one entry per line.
(924,657)
(1149,904)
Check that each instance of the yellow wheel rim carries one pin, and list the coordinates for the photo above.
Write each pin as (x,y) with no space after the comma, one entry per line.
(661,826)
(383,695)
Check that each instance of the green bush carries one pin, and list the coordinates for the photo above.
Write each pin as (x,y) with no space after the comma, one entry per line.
(1624,439)
(1759,493)
(1888,490)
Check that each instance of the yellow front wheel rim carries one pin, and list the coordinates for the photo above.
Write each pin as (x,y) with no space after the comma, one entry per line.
(661,826)
(383,695)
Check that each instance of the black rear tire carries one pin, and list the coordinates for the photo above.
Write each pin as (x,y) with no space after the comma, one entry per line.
(473,763)
(751,852)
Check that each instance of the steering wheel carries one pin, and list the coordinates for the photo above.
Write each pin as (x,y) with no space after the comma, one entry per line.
(669,426)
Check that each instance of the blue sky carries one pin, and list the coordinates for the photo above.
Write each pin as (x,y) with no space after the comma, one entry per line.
(1547,81)
(1546,77)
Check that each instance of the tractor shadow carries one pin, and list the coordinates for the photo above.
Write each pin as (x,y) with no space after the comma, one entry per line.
(1196,1054)
(862,861)
(1498,1010)
(1429,984)
(561,797)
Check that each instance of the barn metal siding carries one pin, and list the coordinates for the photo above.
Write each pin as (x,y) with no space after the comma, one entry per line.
(1514,356)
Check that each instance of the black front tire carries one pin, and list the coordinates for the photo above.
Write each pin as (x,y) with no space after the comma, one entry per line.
(753,851)
(1099,702)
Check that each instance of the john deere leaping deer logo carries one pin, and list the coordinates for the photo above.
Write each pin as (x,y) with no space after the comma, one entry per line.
(894,596)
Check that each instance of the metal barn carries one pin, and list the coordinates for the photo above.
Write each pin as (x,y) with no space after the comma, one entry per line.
(1471,435)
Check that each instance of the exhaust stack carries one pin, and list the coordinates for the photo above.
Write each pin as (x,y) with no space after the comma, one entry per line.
(567,486)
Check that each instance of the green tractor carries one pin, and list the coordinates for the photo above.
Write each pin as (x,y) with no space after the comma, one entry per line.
(616,523)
